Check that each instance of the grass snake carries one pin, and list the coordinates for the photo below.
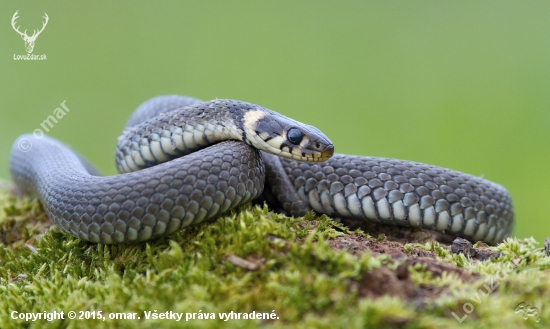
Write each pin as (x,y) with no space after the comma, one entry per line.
(183,161)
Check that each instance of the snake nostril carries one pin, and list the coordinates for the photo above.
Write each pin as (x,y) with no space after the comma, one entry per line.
(317,145)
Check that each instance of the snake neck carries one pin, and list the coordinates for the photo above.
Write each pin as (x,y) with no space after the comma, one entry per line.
(176,133)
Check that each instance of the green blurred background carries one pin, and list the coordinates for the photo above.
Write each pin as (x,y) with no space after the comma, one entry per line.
(463,85)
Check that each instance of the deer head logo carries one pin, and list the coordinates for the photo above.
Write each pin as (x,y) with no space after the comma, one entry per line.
(29,41)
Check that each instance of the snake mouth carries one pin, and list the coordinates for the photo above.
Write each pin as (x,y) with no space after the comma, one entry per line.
(326,154)
(317,153)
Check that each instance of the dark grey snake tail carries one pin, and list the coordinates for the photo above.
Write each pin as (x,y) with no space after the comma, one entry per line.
(141,205)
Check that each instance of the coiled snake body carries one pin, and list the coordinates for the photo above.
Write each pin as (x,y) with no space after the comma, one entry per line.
(183,161)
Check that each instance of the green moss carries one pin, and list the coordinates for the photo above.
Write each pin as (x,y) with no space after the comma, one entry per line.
(250,260)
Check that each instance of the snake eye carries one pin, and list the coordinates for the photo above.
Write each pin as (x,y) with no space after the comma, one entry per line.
(294,136)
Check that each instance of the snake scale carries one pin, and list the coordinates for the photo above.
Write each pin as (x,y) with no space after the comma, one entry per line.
(183,161)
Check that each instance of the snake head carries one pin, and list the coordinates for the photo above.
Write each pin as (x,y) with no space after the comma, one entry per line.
(274,133)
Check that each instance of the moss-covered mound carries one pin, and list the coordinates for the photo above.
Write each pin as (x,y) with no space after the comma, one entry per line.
(255,268)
